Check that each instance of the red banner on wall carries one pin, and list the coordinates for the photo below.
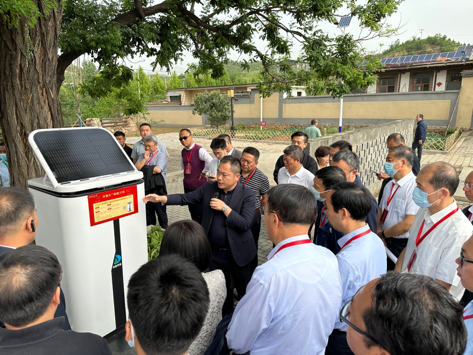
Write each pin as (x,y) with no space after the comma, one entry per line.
(113,204)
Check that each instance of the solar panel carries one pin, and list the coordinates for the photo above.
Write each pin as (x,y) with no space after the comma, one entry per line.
(345,21)
(450,54)
(468,54)
(388,61)
(443,55)
(435,56)
(421,58)
(414,58)
(460,49)
(458,55)
(395,60)
(468,48)
(428,57)
(407,59)
(383,61)
(76,154)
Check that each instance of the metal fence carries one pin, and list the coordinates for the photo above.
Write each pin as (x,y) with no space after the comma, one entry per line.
(437,142)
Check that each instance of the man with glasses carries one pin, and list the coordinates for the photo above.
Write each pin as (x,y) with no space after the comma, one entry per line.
(294,298)
(465,272)
(468,189)
(194,160)
(139,147)
(404,314)
(362,255)
(439,228)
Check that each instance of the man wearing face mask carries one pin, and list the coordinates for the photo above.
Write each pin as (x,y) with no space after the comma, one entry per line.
(397,210)
(439,229)
(324,180)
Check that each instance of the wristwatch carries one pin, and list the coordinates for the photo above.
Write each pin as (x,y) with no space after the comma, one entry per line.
(224,208)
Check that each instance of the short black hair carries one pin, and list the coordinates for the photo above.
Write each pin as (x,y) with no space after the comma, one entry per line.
(168,300)
(342,145)
(119,134)
(294,204)
(322,151)
(29,277)
(186,130)
(226,137)
(235,164)
(331,176)
(187,238)
(403,152)
(145,124)
(445,176)
(397,138)
(218,143)
(252,151)
(355,198)
(300,134)
(413,314)
(16,205)
(313,121)
(420,115)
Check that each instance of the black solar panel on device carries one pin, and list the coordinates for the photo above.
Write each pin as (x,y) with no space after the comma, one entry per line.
(75,154)
(345,21)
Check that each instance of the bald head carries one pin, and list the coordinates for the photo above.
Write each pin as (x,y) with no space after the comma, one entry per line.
(16,205)
(442,175)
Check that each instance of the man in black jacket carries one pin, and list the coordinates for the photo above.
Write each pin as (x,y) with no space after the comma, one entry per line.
(309,163)
(228,211)
(18,224)
(420,135)
(30,278)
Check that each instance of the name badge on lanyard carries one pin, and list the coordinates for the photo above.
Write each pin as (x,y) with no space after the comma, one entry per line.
(385,212)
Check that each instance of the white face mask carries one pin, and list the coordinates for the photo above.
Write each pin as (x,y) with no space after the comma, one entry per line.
(131,342)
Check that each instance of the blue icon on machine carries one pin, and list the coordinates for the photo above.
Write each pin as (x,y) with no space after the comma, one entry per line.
(117,260)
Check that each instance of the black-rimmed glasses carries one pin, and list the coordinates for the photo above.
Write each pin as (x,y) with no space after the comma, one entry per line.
(344,312)
(463,259)
(183,138)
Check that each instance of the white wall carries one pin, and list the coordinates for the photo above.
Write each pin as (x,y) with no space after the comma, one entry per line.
(441,78)
(294,91)
(405,82)
(372,88)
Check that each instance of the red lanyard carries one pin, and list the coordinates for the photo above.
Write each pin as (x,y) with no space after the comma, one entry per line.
(323,218)
(249,177)
(157,151)
(418,241)
(469,217)
(390,198)
(467,317)
(362,234)
(291,244)
(189,156)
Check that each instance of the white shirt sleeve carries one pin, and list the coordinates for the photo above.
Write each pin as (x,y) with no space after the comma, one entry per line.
(411,206)
(205,156)
(447,267)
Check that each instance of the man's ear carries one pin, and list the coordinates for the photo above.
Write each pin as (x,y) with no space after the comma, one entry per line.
(128,331)
(57,296)
(30,225)
(345,213)
(355,172)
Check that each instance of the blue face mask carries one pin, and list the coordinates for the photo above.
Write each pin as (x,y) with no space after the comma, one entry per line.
(389,169)
(420,198)
(317,194)
(131,342)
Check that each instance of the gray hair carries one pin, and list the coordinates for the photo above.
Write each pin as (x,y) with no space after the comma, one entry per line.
(403,152)
(295,152)
(348,157)
(294,204)
(150,138)
(444,175)
(15,206)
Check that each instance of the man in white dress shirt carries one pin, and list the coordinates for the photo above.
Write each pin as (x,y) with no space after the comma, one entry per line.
(293,172)
(397,211)
(439,230)
(362,256)
(218,146)
(293,300)
(468,189)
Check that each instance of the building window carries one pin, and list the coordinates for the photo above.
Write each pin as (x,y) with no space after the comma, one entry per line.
(454,80)
(421,82)
(387,84)
(299,93)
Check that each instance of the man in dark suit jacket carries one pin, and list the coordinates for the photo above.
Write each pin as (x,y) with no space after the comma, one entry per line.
(230,150)
(420,135)
(468,212)
(300,139)
(18,223)
(228,210)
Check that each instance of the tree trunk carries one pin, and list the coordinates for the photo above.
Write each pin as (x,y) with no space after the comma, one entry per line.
(28,89)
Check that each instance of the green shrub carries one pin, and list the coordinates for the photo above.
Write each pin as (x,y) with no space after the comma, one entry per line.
(155,236)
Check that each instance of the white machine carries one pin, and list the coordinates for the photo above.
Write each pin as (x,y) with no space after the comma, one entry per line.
(91,215)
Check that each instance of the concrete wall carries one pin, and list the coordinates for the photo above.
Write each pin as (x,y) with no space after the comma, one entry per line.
(173,115)
(465,105)
(370,145)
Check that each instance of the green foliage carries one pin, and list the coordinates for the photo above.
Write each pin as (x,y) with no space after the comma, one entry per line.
(158,89)
(431,44)
(155,236)
(174,82)
(215,105)
(190,81)
(13,10)
(205,80)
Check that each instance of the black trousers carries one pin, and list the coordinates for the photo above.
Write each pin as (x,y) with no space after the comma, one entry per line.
(337,344)
(396,246)
(194,210)
(255,229)
(419,149)
(241,275)
(153,209)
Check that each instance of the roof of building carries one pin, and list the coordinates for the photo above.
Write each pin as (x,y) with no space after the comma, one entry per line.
(215,87)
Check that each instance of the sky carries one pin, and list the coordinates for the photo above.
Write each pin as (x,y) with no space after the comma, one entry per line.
(418,18)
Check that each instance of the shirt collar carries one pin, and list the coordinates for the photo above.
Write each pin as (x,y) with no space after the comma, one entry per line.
(471,209)
(192,146)
(7,246)
(440,214)
(342,241)
(405,179)
(286,241)
(31,334)
(231,151)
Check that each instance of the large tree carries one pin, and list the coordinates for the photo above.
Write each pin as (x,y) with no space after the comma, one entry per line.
(32,32)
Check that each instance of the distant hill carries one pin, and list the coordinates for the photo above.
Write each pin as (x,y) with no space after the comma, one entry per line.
(431,44)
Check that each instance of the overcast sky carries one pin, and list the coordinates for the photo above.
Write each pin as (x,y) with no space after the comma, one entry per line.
(448,18)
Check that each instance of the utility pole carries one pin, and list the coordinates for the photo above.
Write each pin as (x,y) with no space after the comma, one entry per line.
(421,30)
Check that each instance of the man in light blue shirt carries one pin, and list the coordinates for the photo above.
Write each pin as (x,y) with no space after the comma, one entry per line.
(139,147)
(4,174)
(362,256)
(293,300)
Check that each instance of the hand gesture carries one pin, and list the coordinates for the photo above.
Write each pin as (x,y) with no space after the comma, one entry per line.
(154,198)
(216,204)
(382,176)
(146,155)
(211,178)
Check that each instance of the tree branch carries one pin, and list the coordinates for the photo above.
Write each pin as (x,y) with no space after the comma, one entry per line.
(139,8)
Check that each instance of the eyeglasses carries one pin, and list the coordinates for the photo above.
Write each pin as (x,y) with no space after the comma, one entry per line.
(463,259)
(467,185)
(183,138)
(344,312)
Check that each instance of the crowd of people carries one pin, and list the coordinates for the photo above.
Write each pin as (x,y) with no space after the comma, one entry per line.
(384,276)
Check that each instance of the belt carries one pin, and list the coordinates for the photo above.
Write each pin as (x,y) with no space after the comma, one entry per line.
(396,240)
(257,210)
